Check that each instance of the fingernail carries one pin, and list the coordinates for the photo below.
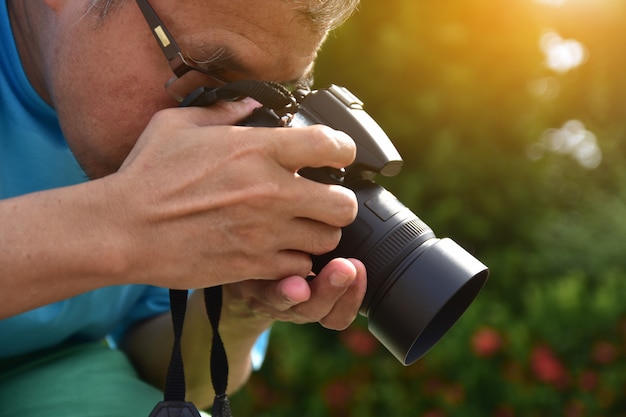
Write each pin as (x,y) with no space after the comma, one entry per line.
(339,279)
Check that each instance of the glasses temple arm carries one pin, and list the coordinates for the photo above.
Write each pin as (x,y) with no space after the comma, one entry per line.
(161,34)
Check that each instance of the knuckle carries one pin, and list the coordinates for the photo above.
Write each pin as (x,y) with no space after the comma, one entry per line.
(164,117)
(330,141)
(320,139)
(328,242)
(333,324)
(292,262)
(347,207)
(252,238)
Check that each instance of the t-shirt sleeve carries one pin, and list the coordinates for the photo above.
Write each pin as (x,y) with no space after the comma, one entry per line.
(260,350)
(152,302)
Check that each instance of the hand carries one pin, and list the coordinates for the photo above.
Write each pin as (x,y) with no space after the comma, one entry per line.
(207,203)
(249,307)
(332,298)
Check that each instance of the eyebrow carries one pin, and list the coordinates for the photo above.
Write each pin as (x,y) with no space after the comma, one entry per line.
(222,57)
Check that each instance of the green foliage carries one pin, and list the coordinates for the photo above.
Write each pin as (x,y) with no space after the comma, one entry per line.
(462,88)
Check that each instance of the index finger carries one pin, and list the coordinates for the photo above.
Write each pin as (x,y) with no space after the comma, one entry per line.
(312,146)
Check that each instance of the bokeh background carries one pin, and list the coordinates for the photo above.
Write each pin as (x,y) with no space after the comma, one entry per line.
(511,118)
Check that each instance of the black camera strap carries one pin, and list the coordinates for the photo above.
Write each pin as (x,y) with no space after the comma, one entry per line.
(174,404)
(273,96)
(219,360)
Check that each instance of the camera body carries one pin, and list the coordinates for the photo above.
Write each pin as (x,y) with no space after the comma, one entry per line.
(418,285)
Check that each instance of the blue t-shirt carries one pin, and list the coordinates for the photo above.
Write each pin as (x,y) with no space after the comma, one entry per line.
(33,157)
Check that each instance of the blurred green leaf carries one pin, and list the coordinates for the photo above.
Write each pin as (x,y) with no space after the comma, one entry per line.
(462,88)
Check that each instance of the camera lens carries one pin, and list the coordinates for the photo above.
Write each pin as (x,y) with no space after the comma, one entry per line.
(418,285)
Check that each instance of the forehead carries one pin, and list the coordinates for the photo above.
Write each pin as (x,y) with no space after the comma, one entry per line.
(263,39)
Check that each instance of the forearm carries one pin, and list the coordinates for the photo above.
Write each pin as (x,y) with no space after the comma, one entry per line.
(181,212)
(56,244)
(149,346)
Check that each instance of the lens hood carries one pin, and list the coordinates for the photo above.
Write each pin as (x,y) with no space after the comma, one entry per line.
(429,294)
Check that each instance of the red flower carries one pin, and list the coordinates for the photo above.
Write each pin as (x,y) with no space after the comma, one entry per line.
(547,367)
(588,380)
(338,394)
(359,341)
(486,342)
(432,386)
(604,353)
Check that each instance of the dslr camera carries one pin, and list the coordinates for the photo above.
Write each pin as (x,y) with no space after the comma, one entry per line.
(418,285)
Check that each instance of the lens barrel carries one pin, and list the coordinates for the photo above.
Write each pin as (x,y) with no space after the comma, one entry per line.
(418,285)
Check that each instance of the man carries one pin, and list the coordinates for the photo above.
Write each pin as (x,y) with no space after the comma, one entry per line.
(176,198)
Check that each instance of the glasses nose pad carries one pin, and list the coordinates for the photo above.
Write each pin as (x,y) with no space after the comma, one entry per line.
(171,88)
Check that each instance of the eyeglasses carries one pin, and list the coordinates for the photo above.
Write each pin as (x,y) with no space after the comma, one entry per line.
(187,77)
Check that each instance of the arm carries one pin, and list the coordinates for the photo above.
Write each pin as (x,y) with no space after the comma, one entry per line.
(250,307)
(57,244)
(190,176)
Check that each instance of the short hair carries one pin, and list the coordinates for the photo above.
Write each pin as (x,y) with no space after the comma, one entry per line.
(324,15)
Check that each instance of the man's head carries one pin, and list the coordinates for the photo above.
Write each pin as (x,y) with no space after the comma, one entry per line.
(105,74)
(323,15)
